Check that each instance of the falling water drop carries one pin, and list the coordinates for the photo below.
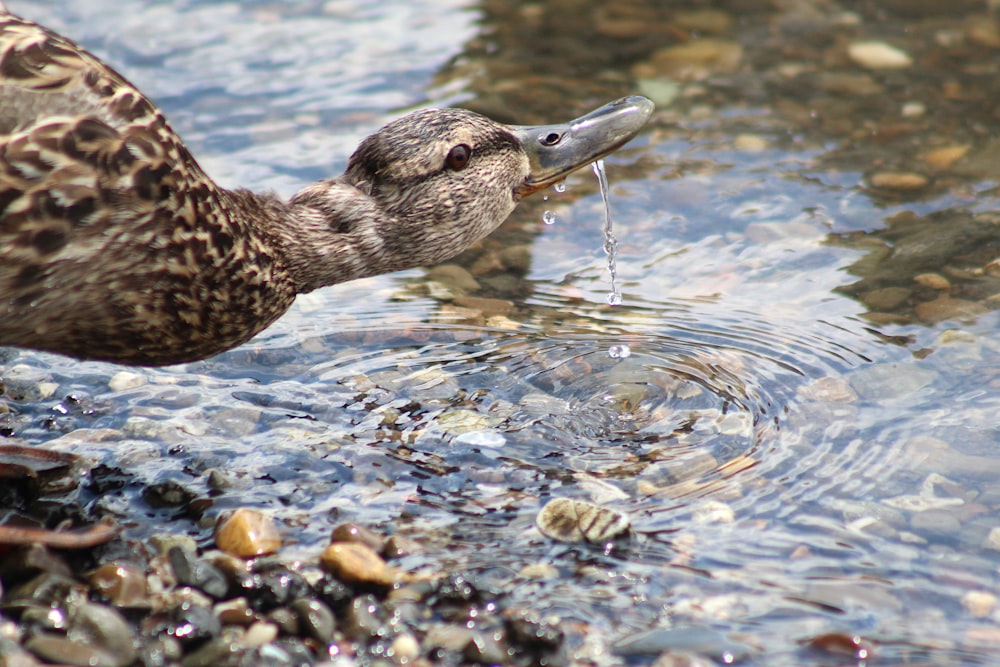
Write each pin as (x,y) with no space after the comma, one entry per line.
(560,186)
(610,242)
(549,218)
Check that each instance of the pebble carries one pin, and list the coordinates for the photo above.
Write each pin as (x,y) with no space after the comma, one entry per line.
(979,603)
(404,649)
(126,380)
(693,61)
(121,584)
(946,308)
(568,520)
(901,181)
(355,563)
(941,159)
(353,532)
(247,533)
(878,55)
(932,280)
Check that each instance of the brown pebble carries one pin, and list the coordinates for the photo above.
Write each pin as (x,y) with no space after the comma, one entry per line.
(247,533)
(946,308)
(398,546)
(943,158)
(353,532)
(932,280)
(902,181)
(122,585)
(354,563)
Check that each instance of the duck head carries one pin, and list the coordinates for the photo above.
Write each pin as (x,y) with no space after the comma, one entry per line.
(428,185)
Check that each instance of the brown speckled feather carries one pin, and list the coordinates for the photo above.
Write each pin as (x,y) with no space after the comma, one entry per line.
(113,242)
(115,245)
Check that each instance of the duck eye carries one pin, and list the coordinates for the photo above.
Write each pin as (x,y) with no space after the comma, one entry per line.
(550,139)
(458,157)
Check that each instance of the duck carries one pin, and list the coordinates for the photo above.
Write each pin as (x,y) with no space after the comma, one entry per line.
(116,246)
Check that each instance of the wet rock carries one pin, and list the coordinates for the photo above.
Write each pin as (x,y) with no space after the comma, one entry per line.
(570,520)
(703,641)
(486,307)
(932,281)
(941,159)
(878,55)
(271,585)
(126,380)
(236,611)
(167,494)
(122,585)
(398,546)
(531,633)
(315,619)
(707,21)
(102,628)
(828,390)
(979,604)
(259,634)
(63,650)
(405,648)
(886,299)
(693,61)
(190,624)
(192,571)
(900,181)
(247,533)
(355,563)
(946,308)
(454,277)
(363,618)
(352,532)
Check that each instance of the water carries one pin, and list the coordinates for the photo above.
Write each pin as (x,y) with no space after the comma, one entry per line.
(610,242)
(549,218)
(804,432)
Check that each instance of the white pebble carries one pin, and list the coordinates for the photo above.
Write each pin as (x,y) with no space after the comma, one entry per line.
(878,55)
(126,380)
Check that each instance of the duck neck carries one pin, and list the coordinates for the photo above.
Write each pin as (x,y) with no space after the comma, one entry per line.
(331,232)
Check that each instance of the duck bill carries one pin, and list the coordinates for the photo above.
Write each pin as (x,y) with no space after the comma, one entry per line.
(554,151)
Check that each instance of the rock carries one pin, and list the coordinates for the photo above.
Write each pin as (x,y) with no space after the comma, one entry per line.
(902,181)
(693,61)
(705,21)
(352,532)
(946,308)
(122,585)
(568,520)
(979,604)
(941,159)
(247,533)
(886,299)
(878,55)
(932,280)
(454,277)
(355,563)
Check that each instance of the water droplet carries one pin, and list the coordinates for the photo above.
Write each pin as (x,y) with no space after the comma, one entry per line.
(619,351)
(545,197)
(560,186)
(610,242)
(549,218)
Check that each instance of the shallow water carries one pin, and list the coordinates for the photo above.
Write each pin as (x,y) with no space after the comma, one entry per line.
(805,433)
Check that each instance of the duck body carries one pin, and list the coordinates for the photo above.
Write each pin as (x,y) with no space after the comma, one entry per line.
(115,245)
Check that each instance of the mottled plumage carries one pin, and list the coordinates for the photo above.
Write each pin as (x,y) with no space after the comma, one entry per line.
(115,245)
